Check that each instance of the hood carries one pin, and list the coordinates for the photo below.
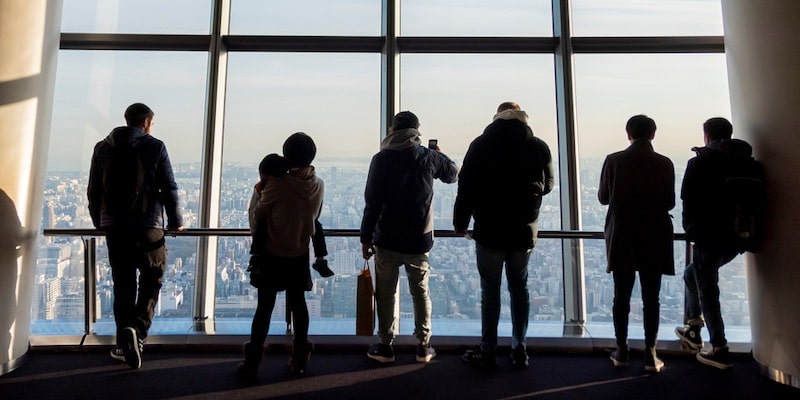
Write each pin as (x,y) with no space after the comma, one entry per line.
(401,139)
(302,181)
(731,147)
(512,114)
(124,135)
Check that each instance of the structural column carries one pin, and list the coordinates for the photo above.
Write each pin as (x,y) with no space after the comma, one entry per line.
(29,38)
(762,39)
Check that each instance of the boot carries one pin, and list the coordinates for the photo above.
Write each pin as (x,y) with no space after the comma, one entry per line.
(247,370)
(298,361)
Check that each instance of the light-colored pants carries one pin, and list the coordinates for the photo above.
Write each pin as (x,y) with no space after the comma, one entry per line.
(387,273)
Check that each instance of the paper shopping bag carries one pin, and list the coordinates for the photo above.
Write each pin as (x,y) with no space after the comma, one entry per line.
(365,303)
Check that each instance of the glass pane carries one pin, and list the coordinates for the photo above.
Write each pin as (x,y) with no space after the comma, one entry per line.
(679,91)
(646,17)
(137,16)
(306,17)
(475,18)
(335,98)
(92,90)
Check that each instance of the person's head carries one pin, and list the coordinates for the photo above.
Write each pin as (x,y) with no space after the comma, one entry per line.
(299,149)
(273,165)
(717,128)
(405,120)
(139,115)
(640,127)
(508,105)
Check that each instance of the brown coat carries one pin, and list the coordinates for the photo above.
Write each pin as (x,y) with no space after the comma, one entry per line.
(638,185)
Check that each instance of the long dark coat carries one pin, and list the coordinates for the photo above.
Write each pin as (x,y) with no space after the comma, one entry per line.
(638,185)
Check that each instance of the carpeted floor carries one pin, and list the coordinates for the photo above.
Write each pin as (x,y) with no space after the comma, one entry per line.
(350,374)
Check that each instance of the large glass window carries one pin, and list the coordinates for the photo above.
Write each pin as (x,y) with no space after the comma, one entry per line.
(334,98)
(137,16)
(475,18)
(93,88)
(306,17)
(646,17)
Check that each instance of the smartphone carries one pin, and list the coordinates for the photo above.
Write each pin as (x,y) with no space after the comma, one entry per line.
(433,144)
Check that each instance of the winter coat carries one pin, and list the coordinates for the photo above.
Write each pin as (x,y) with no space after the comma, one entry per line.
(398,212)
(638,185)
(158,182)
(505,173)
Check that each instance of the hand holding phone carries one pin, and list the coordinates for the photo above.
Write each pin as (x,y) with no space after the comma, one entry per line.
(433,144)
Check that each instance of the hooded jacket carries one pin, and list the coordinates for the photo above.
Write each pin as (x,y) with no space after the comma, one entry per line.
(705,217)
(505,173)
(289,206)
(398,196)
(158,182)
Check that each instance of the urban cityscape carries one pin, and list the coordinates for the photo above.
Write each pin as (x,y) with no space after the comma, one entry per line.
(58,307)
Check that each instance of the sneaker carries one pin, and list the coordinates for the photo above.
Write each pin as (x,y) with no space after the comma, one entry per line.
(321,266)
(651,361)
(425,353)
(690,337)
(381,352)
(619,357)
(130,344)
(247,372)
(482,359)
(118,354)
(718,357)
(519,357)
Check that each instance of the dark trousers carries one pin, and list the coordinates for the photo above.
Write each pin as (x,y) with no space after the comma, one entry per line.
(296,301)
(702,291)
(650,283)
(129,251)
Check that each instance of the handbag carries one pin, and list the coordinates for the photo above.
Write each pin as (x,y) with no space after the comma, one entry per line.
(365,303)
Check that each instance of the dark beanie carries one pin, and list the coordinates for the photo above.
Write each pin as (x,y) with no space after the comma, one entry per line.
(299,149)
(405,120)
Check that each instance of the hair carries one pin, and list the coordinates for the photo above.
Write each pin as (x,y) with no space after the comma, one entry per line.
(273,165)
(405,120)
(508,105)
(640,127)
(718,128)
(137,113)
(299,149)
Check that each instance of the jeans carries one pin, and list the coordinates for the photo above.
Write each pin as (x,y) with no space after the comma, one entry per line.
(130,250)
(650,282)
(490,267)
(702,291)
(387,274)
(296,302)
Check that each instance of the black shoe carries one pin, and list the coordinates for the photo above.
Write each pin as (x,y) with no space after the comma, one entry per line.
(690,337)
(651,361)
(718,357)
(619,357)
(425,353)
(381,352)
(298,361)
(321,266)
(117,354)
(482,359)
(130,344)
(247,372)
(519,357)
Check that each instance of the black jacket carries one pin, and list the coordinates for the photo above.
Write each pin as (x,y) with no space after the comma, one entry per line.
(505,173)
(705,217)
(159,182)
(397,214)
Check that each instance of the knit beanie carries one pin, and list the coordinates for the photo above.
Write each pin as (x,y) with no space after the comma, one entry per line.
(405,120)
(299,149)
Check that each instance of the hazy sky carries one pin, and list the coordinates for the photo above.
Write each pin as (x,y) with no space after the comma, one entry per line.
(336,97)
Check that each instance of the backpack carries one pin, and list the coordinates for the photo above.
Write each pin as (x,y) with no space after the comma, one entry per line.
(745,189)
(123,182)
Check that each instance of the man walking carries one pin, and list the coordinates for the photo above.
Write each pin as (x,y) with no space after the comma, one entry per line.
(505,173)
(638,185)
(397,228)
(131,184)
(708,224)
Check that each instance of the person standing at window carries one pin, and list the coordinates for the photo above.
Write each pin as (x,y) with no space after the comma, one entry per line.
(506,172)
(131,185)
(638,185)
